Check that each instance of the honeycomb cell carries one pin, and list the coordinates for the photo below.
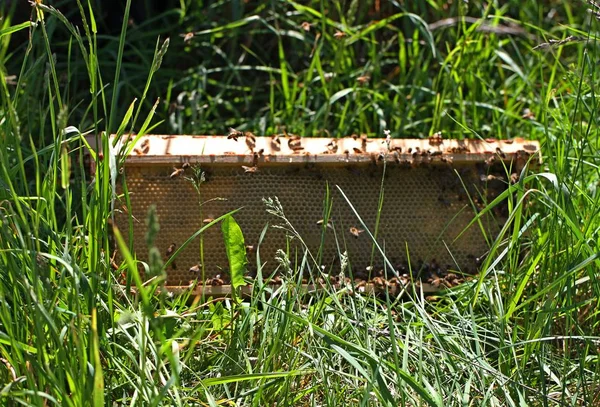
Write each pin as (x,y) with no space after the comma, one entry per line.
(421,212)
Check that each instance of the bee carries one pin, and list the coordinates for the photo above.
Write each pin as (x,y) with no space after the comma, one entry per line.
(195,269)
(435,153)
(249,248)
(528,114)
(170,251)
(435,281)
(208,220)
(491,177)
(363,141)
(459,150)
(275,143)
(451,277)
(332,147)
(361,286)
(188,37)
(216,281)
(448,160)
(250,140)
(379,282)
(276,280)
(294,144)
(234,134)
(436,139)
(363,79)
(357,150)
(145,146)
(490,161)
(113,263)
(514,178)
(354,231)
(329,225)
(500,153)
(185,165)
(490,140)
(305,26)
(339,34)
(249,169)
(177,172)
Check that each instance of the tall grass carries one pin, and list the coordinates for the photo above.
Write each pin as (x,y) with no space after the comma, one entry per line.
(524,332)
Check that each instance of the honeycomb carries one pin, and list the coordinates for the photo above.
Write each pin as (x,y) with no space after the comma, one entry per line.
(424,209)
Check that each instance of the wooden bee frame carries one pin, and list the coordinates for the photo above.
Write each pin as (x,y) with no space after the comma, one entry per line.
(415,197)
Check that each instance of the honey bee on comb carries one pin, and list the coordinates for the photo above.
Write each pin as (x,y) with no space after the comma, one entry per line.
(195,269)
(215,281)
(170,251)
(177,172)
(354,231)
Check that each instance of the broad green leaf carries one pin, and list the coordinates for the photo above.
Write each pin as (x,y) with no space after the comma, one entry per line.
(236,250)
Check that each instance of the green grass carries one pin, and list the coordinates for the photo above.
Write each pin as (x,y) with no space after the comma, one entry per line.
(525,333)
